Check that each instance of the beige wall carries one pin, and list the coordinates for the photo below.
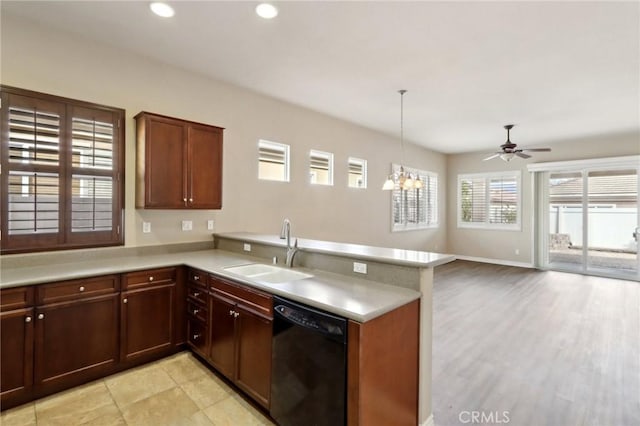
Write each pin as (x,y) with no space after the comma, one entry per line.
(502,244)
(57,63)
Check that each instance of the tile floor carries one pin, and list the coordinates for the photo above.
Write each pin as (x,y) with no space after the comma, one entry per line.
(173,391)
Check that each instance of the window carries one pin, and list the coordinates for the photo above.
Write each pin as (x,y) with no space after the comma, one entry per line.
(273,161)
(321,168)
(357,173)
(415,208)
(489,200)
(62,163)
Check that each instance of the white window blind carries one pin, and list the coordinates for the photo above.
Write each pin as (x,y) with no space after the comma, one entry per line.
(489,200)
(357,173)
(273,161)
(415,208)
(321,167)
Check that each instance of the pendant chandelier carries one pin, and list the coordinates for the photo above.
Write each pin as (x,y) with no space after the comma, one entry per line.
(403,180)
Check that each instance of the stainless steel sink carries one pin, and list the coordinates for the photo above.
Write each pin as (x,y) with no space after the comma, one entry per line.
(267,273)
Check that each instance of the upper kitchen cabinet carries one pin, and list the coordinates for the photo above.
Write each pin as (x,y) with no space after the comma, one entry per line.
(179,163)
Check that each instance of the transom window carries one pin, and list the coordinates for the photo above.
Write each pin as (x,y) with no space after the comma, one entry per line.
(490,200)
(357,173)
(321,167)
(62,180)
(273,161)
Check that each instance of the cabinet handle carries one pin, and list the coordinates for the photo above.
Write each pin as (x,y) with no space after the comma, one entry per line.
(81,288)
(196,277)
(151,278)
(196,336)
(191,200)
(125,300)
(40,316)
(231,312)
(195,311)
(236,314)
(27,319)
(195,294)
(184,200)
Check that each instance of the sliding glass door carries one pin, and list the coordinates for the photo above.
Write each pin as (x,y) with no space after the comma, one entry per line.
(591,224)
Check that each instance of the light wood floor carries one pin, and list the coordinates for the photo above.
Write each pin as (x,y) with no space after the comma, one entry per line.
(548,348)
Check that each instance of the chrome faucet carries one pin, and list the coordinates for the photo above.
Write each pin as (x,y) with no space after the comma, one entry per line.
(285,233)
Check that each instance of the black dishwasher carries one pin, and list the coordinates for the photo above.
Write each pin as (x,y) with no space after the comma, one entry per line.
(309,354)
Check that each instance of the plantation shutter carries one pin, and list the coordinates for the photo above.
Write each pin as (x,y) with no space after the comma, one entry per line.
(473,200)
(61,166)
(503,199)
(417,207)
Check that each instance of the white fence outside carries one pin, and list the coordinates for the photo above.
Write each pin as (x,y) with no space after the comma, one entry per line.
(609,228)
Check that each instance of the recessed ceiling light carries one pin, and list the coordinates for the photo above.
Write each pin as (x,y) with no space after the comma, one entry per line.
(266,11)
(162,9)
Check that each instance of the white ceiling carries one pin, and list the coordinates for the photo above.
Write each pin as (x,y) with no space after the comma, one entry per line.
(557,69)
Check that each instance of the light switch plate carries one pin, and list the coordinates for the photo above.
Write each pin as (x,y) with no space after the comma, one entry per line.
(210,225)
(247,247)
(360,268)
(187,225)
(146,227)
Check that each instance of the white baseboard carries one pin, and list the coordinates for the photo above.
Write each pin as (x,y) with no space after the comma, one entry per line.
(495,261)
(428,422)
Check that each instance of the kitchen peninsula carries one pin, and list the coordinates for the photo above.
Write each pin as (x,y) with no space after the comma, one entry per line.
(394,279)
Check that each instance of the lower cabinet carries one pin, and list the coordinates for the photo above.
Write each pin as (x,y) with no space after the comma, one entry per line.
(148,306)
(241,330)
(16,342)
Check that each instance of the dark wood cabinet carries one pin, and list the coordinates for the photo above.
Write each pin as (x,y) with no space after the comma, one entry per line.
(75,334)
(240,339)
(148,306)
(179,163)
(197,307)
(16,343)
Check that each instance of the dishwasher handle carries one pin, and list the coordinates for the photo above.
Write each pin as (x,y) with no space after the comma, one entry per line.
(311,320)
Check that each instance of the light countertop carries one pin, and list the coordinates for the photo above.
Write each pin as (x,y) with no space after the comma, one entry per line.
(353,298)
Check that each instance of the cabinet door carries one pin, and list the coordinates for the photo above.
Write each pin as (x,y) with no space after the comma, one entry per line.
(16,352)
(253,370)
(165,169)
(222,329)
(205,167)
(76,340)
(146,326)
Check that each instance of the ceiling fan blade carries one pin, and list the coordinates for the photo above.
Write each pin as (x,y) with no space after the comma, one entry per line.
(537,149)
(521,155)
(491,157)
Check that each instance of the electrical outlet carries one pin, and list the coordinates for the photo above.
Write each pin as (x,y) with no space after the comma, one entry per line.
(146,227)
(187,225)
(360,268)
(247,247)
(210,225)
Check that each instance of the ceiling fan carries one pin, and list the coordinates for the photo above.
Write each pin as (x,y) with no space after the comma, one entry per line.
(511,150)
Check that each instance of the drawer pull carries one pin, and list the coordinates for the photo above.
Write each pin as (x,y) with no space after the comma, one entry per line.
(196,294)
(196,277)
(196,336)
(231,312)
(236,314)
(27,319)
(125,300)
(81,288)
(195,311)
(40,316)
(151,278)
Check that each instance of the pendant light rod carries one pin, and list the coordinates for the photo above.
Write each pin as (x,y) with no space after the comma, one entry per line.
(402,92)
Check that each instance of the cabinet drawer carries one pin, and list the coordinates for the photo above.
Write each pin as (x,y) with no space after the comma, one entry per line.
(149,277)
(198,277)
(197,293)
(15,298)
(77,289)
(197,311)
(197,336)
(250,298)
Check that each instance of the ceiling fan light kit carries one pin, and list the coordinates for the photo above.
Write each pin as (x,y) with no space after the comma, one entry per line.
(510,150)
(404,180)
